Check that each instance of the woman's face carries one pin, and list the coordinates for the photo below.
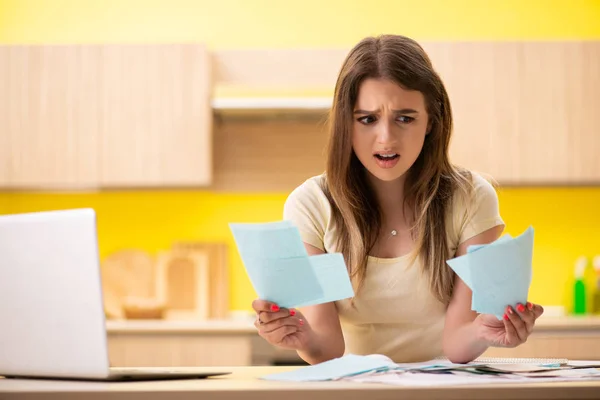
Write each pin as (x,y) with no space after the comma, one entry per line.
(389,128)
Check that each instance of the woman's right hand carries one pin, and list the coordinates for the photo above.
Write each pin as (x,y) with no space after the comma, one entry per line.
(282,327)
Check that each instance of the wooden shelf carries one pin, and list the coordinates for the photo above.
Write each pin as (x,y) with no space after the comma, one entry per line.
(271,106)
(228,326)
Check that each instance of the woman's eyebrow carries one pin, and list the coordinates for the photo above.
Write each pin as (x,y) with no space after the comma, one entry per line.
(401,111)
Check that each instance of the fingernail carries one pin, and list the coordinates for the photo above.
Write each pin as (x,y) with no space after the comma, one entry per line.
(520,308)
(292,312)
(529,305)
(301,322)
(510,311)
(505,316)
(274,308)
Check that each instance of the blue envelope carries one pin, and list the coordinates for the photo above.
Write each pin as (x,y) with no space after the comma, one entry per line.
(499,274)
(281,271)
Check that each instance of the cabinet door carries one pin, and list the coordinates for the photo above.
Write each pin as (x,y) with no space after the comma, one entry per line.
(49,122)
(157,116)
(481,80)
(527,112)
(558,100)
(581,112)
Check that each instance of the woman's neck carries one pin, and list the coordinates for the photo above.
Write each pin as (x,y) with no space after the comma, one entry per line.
(389,195)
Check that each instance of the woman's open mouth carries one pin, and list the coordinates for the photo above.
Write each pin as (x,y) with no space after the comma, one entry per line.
(386,160)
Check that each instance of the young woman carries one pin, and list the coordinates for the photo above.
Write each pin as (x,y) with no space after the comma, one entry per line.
(392,203)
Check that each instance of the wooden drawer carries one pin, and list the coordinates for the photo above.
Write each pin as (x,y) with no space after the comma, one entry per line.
(179,350)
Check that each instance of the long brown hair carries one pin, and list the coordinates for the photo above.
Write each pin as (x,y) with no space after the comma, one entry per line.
(431,181)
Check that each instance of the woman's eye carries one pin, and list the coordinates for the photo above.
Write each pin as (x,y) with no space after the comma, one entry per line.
(368,119)
(405,120)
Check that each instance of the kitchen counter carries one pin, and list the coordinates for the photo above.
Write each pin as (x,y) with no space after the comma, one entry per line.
(170,326)
(142,343)
(544,324)
(584,322)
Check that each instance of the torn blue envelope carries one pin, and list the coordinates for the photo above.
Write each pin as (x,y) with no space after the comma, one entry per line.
(499,274)
(268,240)
(460,265)
(281,271)
(332,276)
(348,365)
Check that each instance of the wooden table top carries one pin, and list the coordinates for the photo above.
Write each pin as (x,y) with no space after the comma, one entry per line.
(244,383)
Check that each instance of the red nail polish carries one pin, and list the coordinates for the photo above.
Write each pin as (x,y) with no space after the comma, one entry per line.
(521,308)
(529,305)
(274,308)
(301,322)
(292,312)
(505,317)
(510,311)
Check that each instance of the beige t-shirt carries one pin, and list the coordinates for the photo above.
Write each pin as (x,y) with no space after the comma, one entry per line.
(395,313)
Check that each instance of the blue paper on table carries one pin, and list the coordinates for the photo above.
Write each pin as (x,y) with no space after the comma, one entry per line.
(499,274)
(281,271)
(347,365)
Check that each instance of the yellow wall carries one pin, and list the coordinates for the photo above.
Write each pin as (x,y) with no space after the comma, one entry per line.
(272,23)
(152,220)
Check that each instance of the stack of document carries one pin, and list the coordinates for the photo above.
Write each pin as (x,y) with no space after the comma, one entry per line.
(281,271)
(377,368)
(499,274)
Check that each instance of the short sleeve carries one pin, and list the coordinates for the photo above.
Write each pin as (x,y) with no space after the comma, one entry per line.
(306,207)
(478,213)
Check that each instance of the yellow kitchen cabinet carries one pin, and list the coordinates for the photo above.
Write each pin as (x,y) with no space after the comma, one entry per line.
(90,116)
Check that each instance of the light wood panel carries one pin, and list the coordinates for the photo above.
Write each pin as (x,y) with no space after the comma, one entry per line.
(524,112)
(218,303)
(277,69)
(575,346)
(4,150)
(176,345)
(582,110)
(183,282)
(79,116)
(49,123)
(158,128)
(179,350)
(481,80)
(270,154)
(139,115)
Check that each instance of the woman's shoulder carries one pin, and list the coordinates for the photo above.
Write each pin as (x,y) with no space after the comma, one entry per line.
(308,207)
(475,206)
(312,190)
(475,187)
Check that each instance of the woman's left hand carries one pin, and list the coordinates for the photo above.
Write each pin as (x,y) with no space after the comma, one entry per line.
(513,330)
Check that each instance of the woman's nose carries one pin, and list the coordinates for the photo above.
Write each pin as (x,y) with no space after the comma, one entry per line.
(385,132)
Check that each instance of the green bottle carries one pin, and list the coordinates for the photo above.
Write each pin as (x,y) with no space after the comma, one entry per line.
(579,288)
(579,305)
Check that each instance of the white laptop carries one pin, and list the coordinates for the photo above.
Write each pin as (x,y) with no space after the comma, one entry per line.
(51,305)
